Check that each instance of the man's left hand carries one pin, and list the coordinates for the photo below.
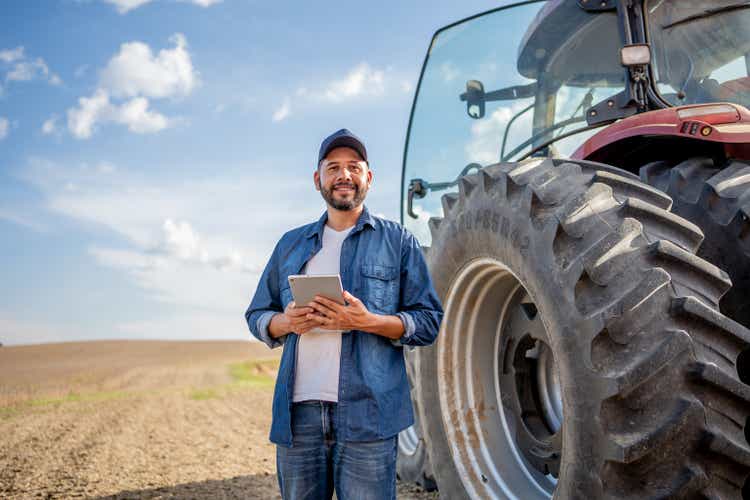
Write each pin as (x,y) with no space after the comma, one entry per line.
(334,316)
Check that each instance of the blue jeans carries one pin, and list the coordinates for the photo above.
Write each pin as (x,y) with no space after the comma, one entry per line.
(317,463)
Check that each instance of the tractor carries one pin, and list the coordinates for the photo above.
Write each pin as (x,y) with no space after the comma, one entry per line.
(578,174)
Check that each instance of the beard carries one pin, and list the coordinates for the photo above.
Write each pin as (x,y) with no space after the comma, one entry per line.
(345,205)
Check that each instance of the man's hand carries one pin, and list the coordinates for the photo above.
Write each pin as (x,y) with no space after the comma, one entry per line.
(333,316)
(296,319)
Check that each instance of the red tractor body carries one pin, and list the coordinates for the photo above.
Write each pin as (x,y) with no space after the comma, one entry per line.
(725,124)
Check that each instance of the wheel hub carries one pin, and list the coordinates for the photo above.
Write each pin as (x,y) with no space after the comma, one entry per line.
(529,380)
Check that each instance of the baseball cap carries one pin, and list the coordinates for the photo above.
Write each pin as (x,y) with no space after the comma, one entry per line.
(345,138)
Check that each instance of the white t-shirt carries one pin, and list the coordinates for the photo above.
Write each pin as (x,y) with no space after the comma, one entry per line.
(319,351)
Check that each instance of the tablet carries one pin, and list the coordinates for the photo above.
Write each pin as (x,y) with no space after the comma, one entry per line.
(305,287)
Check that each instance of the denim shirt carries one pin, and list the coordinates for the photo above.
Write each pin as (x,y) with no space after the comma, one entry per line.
(382,265)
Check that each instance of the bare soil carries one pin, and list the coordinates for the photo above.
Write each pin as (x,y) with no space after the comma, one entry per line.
(139,419)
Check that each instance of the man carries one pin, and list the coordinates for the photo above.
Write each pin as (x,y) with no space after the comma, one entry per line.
(341,395)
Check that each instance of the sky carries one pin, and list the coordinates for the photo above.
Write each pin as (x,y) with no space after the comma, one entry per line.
(152,152)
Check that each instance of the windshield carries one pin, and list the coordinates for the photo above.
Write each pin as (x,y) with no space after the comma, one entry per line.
(539,66)
(701,50)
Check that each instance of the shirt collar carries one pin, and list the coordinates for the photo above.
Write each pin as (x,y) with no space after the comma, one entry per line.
(364,218)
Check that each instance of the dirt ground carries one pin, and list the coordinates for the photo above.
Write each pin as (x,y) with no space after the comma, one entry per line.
(139,419)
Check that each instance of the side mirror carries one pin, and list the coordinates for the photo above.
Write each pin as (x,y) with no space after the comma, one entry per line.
(474,97)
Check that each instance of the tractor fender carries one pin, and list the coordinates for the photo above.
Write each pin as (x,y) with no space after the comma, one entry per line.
(716,125)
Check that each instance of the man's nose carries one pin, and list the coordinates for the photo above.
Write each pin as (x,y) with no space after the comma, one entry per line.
(345,175)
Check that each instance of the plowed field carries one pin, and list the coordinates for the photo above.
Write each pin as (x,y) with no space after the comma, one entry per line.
(139,419)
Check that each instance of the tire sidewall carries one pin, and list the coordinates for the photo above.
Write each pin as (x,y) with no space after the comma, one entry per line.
(483,226)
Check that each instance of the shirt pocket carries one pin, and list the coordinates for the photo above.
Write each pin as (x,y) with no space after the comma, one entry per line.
(380,287)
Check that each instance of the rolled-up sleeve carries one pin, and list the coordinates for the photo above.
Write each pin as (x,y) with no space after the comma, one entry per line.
(419,306)
(409,328)
(266,303)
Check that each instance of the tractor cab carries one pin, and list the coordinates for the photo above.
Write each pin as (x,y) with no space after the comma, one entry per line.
(700,51)
(540,78)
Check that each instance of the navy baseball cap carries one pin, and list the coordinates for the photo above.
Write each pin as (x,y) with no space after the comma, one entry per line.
(342,138)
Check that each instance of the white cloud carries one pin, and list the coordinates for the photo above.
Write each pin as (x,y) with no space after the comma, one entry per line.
(194,243)
(182,241)
(81,120)
(448,71)
(11,55)
(487,133)
(138,118)
(50,125)
(180,282)
(28,70)
(4,127)
(484,148)
(203,3)
(283,111)
(135,71)
(190,220)
(125,6)
(24,69)
(361,80)
(421,230)
(134,114)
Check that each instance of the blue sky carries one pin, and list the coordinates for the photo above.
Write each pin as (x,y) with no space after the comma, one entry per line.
(153,151)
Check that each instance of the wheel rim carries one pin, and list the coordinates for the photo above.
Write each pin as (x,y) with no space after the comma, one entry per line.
(498,385)
(549,389)
(408,440)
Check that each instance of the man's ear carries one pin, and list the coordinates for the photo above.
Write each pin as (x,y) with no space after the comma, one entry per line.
(369,176)
(316,179)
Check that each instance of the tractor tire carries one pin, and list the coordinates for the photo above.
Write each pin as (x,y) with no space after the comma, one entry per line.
(413,464)
(582,354)
(715,196)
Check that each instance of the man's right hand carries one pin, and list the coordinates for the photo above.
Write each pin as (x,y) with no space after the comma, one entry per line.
(293,319)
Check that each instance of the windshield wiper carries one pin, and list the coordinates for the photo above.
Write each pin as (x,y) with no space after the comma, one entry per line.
(707,13)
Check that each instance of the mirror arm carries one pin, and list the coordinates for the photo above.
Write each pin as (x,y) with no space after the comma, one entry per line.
(510,93)
(418,187)
(506,94)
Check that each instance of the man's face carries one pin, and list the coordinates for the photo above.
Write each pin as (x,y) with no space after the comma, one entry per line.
(343,179)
